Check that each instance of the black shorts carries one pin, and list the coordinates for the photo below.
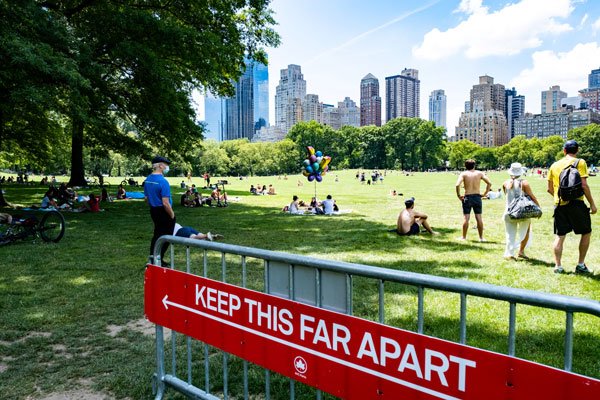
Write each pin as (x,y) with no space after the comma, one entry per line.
(472,202)
(415,229)
(574,216)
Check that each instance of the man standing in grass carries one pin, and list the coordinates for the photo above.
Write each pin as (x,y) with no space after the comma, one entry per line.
(573,215)
(157,193)
(471,199)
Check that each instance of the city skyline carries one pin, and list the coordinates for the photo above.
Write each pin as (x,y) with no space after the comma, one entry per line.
(446,41)
(545,45)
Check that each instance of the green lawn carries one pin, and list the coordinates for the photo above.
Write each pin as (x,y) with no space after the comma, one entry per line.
(57,301)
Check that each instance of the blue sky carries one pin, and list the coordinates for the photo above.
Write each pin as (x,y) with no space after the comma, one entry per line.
(528,44)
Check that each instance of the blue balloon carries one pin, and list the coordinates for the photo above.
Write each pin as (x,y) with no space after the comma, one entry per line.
(319,153)
(319,178)
(309,169)
(316,167)
(311,178)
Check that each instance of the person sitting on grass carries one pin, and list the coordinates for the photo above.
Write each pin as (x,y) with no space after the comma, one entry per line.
(191,233)
(187,199)
(220,198)
(294,207)
(271,190)
(410,221)
(48,200)
(92,205)
(327,205)
(200,200)
(121,194)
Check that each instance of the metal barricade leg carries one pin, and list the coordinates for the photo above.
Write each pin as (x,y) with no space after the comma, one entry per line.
(158,383)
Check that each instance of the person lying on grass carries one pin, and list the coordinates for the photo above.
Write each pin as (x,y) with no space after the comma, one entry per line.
(189,232)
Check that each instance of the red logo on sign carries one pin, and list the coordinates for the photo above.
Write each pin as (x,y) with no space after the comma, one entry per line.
(301,365)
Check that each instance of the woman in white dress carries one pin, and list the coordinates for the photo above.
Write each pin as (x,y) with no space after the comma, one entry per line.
(518,232)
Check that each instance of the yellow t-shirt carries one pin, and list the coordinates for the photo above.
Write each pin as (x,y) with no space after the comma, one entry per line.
(557,168)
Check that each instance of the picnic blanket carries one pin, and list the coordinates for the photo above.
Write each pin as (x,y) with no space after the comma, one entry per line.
(134,195)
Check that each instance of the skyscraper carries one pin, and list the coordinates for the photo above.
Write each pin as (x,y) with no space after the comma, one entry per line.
(551,99)
(491,94)
(402,94)
(437,108)
(214,117)
(239,119)
(515,109)
(349,112)
(246,112)
(261,95)
(312,108)
(485,122)
(370,101)
(289,95)
(594,79)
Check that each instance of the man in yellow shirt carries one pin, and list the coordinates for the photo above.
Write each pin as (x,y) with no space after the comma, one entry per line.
(571,215)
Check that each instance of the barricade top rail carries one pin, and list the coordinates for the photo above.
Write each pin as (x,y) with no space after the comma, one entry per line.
(504,293)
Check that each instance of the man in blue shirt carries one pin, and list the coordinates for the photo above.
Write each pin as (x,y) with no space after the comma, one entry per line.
(157,193)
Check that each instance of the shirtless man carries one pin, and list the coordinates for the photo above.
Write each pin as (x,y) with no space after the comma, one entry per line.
(471,200)
(410,220)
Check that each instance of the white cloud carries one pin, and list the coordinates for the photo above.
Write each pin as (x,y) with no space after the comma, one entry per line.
(507,31)
(596,25)
(568,69)
(583,20)
(470,6)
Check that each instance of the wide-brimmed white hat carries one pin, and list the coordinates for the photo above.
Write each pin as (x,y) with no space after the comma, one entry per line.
(516,169)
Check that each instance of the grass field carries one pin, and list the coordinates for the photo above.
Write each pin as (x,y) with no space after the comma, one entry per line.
(65,308)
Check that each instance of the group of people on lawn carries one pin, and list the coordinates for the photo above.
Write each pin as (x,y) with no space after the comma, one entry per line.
(569,216)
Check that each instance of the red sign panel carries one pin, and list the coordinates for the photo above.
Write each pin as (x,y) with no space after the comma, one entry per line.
(349,357)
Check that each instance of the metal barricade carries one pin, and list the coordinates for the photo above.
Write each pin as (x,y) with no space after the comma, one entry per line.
(295,272)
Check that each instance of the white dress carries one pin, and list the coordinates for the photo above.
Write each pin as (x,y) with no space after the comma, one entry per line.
(516,230)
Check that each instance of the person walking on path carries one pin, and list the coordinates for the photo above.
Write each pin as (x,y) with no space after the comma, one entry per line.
(518,231)
(573,215)
(157,194)
(471,199)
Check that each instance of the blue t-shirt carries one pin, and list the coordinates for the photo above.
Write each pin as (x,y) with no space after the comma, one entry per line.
(155,188)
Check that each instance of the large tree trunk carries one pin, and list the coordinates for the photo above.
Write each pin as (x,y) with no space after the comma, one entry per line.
(77,171)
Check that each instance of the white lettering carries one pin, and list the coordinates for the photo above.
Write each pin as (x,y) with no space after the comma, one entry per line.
(210,298)
(251,303)
(234,304)
(367,348)
(384,353)
(343,340)
(462,375)
(440,369)
(285,317)
(303,328)
(264,315)
(200,295)
(410,353)
(321,335)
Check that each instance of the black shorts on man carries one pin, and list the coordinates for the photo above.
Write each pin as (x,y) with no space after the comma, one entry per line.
(472,202)
(573,216)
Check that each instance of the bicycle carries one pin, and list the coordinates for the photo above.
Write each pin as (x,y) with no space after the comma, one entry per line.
(51,228)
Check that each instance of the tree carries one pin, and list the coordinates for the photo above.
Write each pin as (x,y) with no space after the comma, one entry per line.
(125,60)
(461,151)
(588,138)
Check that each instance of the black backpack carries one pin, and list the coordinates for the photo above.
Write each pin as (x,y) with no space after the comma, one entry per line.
(570,186)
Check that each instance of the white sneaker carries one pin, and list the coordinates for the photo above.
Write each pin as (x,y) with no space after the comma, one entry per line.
(209,236)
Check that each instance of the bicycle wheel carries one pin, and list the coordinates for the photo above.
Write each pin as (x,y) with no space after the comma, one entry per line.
(52,227)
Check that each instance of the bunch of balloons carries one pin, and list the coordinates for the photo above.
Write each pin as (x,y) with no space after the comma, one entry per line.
(315,165)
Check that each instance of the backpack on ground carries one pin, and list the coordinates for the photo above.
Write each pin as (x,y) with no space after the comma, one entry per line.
(570,186)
